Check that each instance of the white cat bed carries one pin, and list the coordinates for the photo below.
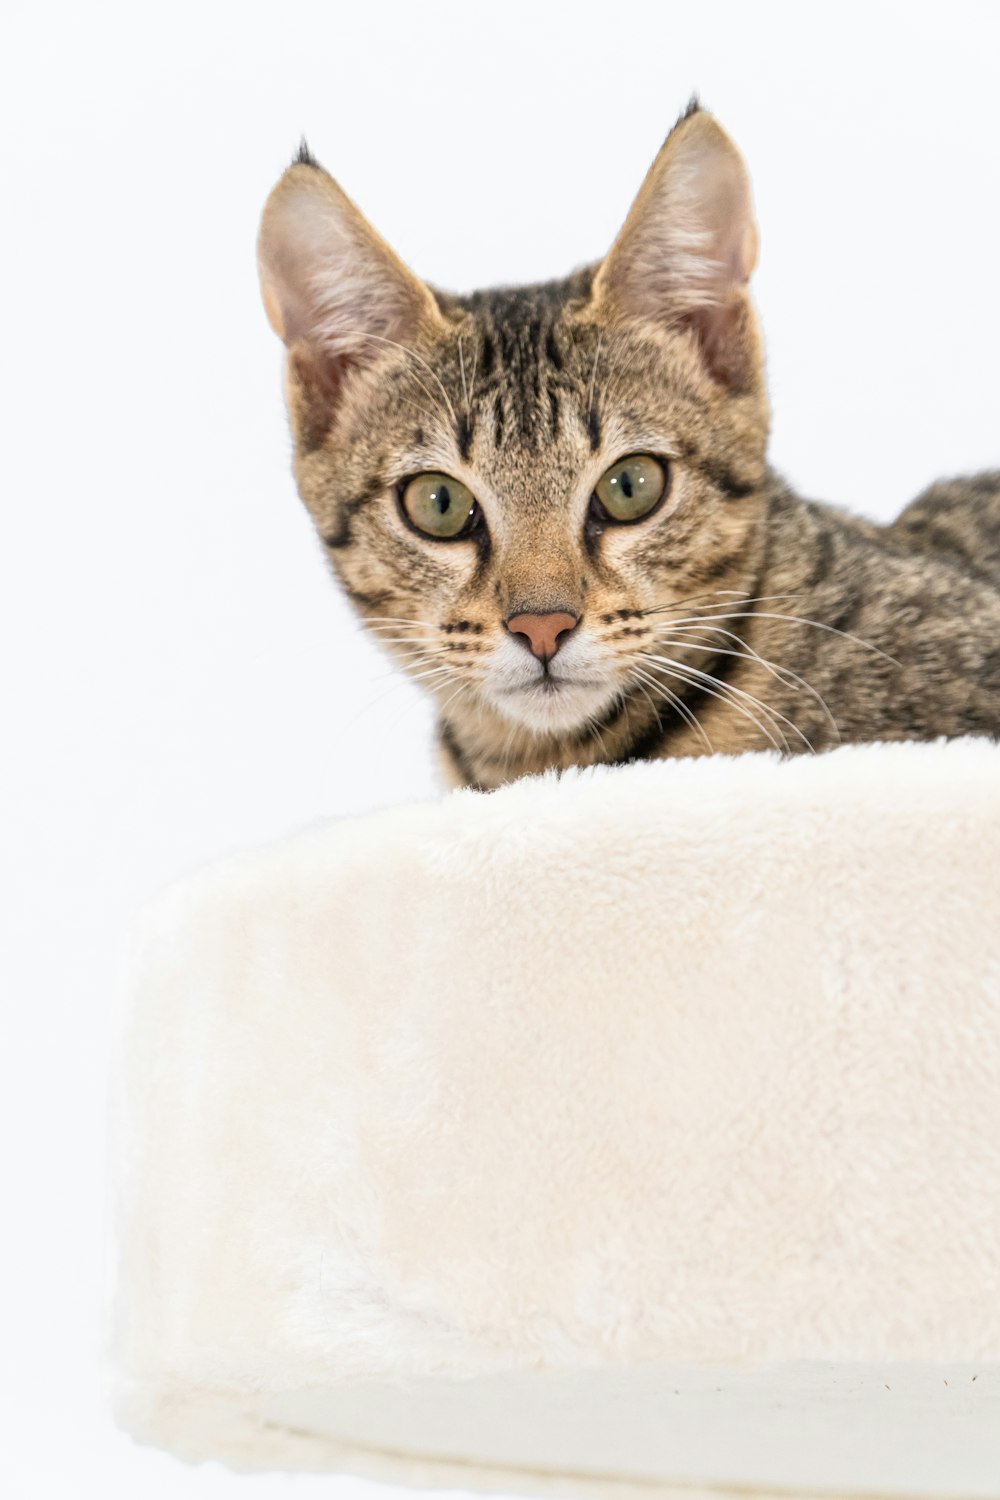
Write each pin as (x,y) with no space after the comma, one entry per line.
(633,1134)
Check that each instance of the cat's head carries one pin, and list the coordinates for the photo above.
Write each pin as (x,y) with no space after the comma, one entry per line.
(509,483)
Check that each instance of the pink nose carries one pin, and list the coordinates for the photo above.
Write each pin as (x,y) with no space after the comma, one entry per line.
(543,633)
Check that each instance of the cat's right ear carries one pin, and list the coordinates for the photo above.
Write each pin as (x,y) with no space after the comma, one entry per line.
(333,290)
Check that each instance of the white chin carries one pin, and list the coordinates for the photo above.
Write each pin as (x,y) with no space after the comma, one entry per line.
(550,708)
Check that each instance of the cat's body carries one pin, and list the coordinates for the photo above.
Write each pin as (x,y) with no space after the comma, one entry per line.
(553,503)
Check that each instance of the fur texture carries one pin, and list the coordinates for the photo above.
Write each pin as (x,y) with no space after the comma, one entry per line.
(680,1065)
(734,616)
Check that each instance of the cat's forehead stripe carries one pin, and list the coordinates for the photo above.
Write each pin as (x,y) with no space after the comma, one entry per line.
(516,373)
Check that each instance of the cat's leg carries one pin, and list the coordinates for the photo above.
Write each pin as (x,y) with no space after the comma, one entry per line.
(957,519)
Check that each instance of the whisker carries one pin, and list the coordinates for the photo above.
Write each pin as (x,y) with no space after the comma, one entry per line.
(760,614)
(403,630)
(418,658)
(431,672)
(591,723)
(412,354)
(406,640)
(784,675)
(418,642)
(617,372)
(764,615)
(462,688)
(635,679)
(683,708)
(408,632)
(774,715)
(431,416)
(620,703)
(739,597)
(399,620)
(734,696)
(411,646)
(394,672)
(400,680)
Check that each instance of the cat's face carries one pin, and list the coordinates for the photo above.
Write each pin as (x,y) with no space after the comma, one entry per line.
(511,484)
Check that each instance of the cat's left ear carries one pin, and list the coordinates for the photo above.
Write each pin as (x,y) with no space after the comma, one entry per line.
(333,290)
(686,250)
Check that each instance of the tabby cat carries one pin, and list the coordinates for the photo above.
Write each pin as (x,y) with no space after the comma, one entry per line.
(553,504)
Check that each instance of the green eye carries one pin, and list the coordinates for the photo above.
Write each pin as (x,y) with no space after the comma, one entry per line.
(438,505)
(631,487)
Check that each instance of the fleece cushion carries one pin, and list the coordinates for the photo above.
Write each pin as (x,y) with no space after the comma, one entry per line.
(634,1132)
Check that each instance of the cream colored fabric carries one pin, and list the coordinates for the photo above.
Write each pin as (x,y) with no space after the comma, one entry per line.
(586,1091)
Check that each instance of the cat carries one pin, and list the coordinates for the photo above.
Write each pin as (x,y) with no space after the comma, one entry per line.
(553,504)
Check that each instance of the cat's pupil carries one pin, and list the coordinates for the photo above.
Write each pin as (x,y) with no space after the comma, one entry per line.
(625,480)
(441,499)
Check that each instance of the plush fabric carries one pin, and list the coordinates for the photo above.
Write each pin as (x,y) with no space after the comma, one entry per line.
(635,1129)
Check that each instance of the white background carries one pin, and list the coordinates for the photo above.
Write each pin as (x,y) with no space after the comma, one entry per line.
(179,673)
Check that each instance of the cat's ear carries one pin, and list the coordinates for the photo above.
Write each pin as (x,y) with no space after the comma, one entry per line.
(686,250)
(332,288)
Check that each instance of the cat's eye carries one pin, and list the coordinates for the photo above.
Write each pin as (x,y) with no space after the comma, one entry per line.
(631,488)
(439,506)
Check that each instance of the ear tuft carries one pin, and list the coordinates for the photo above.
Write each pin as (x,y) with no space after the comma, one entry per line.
(693,107)
(303,156)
